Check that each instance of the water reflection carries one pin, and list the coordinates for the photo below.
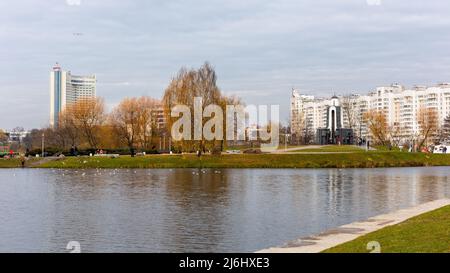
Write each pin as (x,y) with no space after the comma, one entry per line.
(197,210)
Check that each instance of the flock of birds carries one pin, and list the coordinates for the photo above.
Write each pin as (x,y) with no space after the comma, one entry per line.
(113,172)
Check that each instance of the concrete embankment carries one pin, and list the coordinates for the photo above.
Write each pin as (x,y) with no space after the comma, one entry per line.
(346,233)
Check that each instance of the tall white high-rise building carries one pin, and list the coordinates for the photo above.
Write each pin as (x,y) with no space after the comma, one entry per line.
(66,88)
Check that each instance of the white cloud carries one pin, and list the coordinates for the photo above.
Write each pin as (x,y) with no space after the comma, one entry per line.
(260,47)
(73,2)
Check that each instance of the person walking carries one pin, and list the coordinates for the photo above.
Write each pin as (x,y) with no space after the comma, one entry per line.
(22,161)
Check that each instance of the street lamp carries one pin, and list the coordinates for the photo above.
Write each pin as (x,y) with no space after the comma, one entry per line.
(170,145)
(164,141)
(43,141)
(286,137)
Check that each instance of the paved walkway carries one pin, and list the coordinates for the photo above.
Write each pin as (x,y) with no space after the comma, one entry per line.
(40,161)
(311,147)
(346,233)
(280,151)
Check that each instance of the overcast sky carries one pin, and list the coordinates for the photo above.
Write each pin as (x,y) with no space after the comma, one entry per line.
(260,48)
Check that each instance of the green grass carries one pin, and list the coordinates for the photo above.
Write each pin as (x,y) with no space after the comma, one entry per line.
(426,233)
(350,160)
(10,163)
(245,147)
(332,149)
(14,162)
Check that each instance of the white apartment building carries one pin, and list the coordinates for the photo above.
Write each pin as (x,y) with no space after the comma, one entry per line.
(66,88)
(401,107)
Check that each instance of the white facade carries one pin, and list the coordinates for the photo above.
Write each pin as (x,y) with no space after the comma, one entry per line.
(401,107)
(66,88)
(17,136)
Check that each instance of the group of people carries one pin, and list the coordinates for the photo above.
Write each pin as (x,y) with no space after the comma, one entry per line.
(74,151)
(362,142)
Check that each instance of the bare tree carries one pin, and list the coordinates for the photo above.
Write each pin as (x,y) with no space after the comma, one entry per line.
(298,126)
(235,101)
(34,139)
(134,122)
(148,108)
(395,134)
(377,125)
(89,115)
(427,118)
(125,121)
(3,136)
(67,127)
(445,130)
(349,106)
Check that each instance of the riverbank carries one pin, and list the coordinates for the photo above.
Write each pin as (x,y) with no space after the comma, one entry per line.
(17,163)
(421,229)
(10,163)
(426,233)
(301,160)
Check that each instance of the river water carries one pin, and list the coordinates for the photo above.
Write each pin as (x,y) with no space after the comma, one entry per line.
(191,210)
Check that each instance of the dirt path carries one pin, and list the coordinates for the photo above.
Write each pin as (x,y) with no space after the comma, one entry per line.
(297,149)
(37,163)
(311,147)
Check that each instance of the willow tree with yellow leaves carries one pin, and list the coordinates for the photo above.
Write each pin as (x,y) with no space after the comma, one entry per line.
(183,89)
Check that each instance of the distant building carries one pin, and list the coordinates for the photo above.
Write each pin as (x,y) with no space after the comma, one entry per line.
(400,106)
(160,118)
(66,88)
(17,136)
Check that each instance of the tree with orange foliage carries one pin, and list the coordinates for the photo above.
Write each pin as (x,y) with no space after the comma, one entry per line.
(89,115)
(134,121)
(67,127)
(427,118)
(3,136)
(377,125)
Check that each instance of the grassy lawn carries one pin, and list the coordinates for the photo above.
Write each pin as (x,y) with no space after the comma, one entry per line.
(242,148)
(10,163)
(350,160)
(14,162)
(426,233)
(332,149)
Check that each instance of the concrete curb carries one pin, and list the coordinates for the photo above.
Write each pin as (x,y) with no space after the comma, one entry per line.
(343,234)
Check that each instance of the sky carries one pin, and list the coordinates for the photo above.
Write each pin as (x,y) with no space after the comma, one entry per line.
(261,49)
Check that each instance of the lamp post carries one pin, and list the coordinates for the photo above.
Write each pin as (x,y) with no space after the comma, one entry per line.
(164,141)
(43,144)
(170,145)
(286,137)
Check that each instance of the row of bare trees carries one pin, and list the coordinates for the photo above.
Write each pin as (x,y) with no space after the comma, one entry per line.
(86,124)
(133,123)
(3,136)
(427,119)
(382,133)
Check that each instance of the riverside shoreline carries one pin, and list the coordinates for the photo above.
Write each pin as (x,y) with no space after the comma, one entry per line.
(336,240)
(372,159)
